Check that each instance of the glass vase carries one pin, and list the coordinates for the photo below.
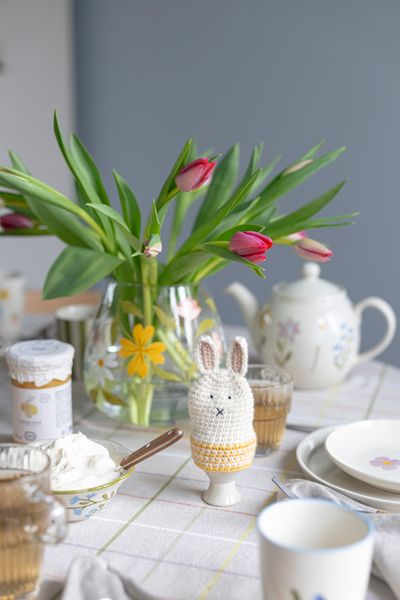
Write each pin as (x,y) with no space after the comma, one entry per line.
(139,359)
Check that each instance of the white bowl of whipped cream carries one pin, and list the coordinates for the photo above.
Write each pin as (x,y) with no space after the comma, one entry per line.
(85,474)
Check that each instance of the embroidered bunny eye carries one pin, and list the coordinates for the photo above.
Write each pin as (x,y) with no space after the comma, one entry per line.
(211,396)
(229,397)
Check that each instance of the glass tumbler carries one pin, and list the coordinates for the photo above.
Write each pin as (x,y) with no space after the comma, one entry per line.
(272,389)
(29,518)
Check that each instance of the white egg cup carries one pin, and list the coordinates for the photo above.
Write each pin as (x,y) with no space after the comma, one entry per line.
(222,490)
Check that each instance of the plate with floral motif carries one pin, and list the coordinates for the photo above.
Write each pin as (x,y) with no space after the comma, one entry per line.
(369,451)
(318,466)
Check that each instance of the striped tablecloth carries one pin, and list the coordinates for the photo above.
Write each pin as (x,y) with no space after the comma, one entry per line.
(158,529)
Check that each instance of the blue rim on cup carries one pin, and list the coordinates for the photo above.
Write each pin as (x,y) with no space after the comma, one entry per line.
(314,549)
(323,501)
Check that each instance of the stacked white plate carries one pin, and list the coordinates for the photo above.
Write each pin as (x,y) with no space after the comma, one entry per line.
(360,459)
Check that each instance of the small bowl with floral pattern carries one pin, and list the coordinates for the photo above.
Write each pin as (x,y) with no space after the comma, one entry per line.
(84,503)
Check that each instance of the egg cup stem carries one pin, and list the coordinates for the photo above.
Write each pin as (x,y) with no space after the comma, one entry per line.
(222,490)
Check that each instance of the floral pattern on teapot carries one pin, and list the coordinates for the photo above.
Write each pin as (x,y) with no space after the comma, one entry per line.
(311,328)
(287,332)
(343,350)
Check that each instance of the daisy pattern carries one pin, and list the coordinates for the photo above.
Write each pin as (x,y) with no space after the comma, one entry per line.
(104,362)
(386,463)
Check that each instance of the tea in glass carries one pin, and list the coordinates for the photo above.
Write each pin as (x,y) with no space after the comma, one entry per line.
(272,390)
(29,518)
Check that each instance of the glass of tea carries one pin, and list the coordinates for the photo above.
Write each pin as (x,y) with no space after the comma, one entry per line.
(29,518)
(272,389)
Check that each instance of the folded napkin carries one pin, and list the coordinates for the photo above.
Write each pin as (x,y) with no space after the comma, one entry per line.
(90,578)
(386,563)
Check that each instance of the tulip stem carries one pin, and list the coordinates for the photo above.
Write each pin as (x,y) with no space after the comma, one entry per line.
(201,273)
(167,198)
(147,300)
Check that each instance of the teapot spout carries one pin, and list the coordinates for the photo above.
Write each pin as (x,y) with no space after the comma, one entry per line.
(247,302)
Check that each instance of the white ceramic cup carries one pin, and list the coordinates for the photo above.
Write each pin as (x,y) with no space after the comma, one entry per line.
(12,303)
(314,550)
(73,323)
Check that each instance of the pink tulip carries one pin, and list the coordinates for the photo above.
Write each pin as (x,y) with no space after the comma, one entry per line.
(251,245)
(312,250)
(195,175)
(15,221)
(295,237)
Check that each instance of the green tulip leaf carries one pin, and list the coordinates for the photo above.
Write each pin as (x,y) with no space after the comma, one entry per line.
(287,180)
(129,204)
(31,231)
(221,185)
(78,165)
(228,233)
(88,166)
(16,203)
(313,151)
(179,268)
(170,181)
(227,254)
(153,226)
(76,270)
(114,216)
(214,219)
(302,214)
(63,224)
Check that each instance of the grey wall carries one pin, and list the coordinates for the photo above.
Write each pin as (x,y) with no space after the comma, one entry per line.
(150,74)
(36,49)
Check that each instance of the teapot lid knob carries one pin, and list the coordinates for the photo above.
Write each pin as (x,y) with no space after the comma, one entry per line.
(311,270)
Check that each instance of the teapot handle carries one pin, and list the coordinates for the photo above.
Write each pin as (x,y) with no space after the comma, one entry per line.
(390,317)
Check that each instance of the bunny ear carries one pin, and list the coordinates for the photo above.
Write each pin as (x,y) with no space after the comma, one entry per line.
(207,356)
(237,356)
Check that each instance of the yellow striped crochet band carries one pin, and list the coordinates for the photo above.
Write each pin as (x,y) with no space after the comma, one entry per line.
(223,458)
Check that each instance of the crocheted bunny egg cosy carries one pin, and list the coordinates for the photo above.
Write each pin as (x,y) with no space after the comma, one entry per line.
(221,408)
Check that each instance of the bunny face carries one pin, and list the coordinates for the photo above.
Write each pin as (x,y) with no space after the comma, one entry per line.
(221,403)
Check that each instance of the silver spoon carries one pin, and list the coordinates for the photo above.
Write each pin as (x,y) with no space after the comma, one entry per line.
(341,499)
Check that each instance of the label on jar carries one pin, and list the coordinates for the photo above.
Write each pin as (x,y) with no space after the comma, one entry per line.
(41,414)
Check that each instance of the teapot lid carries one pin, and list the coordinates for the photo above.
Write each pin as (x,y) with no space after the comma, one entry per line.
(309,287)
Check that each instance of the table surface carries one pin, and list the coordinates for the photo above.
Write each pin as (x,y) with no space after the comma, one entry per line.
(160,531)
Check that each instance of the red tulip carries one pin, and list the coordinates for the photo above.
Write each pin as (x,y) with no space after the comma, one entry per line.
(15,221)
(195,175)
(312,250)
(251,245)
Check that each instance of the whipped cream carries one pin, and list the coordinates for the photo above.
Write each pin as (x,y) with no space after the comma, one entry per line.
(78,463)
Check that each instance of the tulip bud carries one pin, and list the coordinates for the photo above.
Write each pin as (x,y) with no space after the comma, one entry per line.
(194,175)
(298,166)
(312,250)
(153,250)
(15,221)
(251,245)
(295,237)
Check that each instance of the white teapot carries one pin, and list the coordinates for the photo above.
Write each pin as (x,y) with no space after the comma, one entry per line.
(310,328)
